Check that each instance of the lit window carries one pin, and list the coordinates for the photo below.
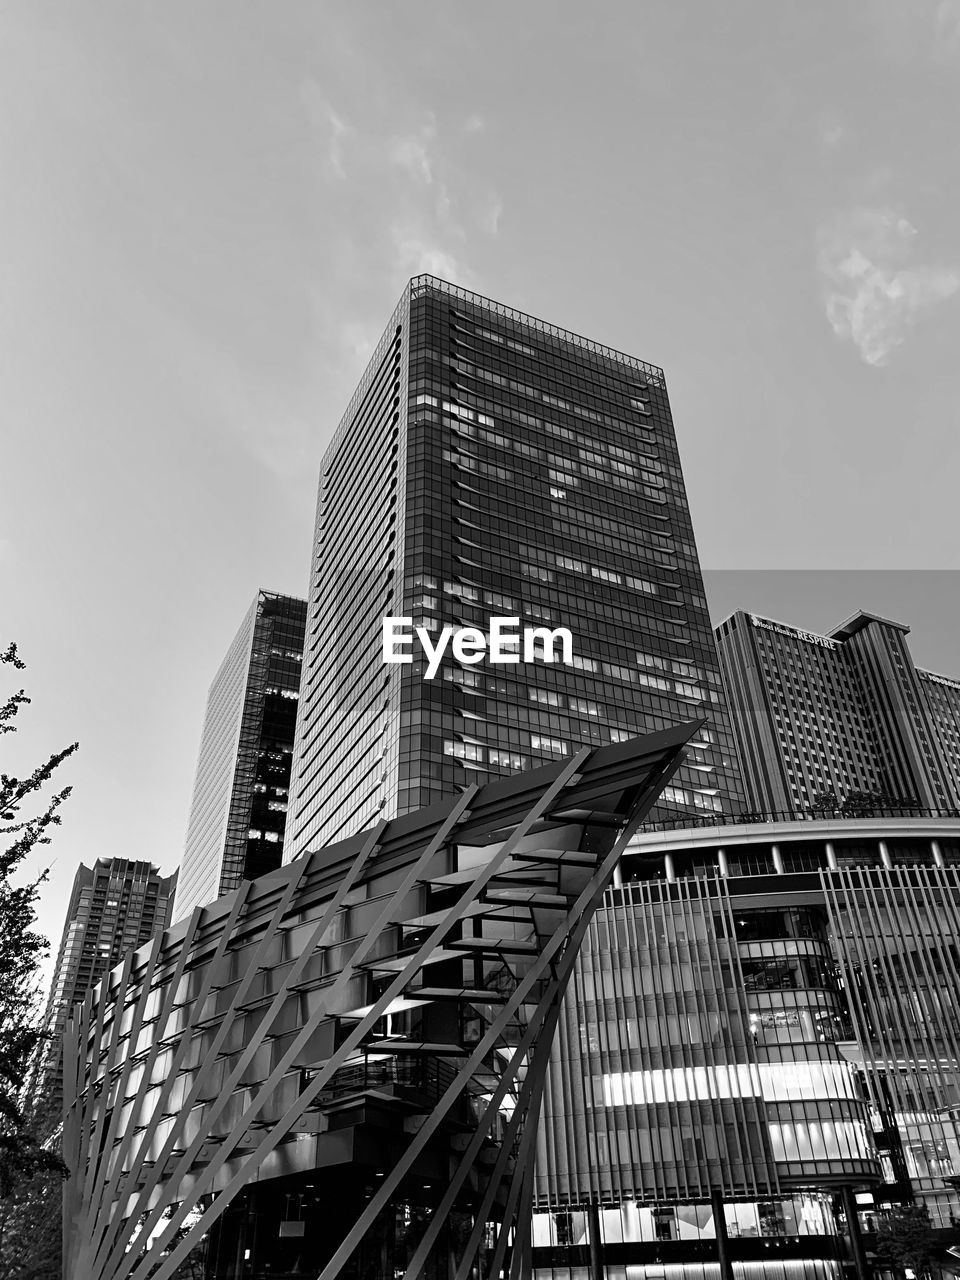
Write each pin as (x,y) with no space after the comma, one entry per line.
(583,706)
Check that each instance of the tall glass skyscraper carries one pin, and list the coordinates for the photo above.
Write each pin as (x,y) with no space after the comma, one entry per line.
(243,771)
(492,465)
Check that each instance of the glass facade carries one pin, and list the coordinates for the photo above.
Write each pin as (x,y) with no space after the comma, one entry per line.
(848,712)
(491,465)
(241,791)
(894,933)
(763,1019)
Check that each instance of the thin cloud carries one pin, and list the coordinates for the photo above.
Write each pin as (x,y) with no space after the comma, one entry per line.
(331,126)
(438,206)
(874,290)
(411,207)
(411,152)
(420,255)
(491,218)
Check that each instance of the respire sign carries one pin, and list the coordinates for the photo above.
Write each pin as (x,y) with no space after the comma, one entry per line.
(503,642)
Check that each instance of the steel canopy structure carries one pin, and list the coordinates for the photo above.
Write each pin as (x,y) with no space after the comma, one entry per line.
(386,1003)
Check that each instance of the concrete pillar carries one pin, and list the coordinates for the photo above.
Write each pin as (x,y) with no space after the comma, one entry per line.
(938,859)
(669,868)
(594,1242)
(853,1232)
(723,1242)
(777,859)
(831,855)
(885,854)
(722,862)
(617,877)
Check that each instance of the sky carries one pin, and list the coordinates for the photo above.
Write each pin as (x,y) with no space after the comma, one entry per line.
(208,209)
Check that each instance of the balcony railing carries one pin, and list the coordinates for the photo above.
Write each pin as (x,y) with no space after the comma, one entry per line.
(427,1076)
(695,822)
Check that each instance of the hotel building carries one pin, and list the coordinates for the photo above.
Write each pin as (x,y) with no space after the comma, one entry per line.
(845,712)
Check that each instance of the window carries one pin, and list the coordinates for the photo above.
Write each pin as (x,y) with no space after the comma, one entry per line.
(583,706)
(546,696)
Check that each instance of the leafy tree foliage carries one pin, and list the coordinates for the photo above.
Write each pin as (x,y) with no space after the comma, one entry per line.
(30,1173)
(31,1229)
(825,802)
(906,1239)
(856,803)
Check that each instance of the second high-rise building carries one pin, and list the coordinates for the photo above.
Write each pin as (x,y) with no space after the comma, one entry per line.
(491,465)
(240,792)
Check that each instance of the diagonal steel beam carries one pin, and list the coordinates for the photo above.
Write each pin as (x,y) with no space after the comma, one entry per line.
(116,1179)
(533,1033)
(590,896)
(265,1093)
(73,1065)
(130,1258)
(273,1138)
(102,1143)
(109,1223)
(452,1094)
(601,881)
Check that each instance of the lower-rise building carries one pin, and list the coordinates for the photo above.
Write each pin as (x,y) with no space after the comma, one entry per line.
(115,906)
(758,1058)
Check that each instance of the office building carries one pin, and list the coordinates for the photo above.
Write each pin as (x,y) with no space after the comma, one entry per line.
(759,1055)
(240,794)
(838,715)
(335,1071)
(492,465)
(115,907)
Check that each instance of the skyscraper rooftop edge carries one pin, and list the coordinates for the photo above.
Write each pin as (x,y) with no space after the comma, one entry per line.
(938,677)
(534,322)
(850,626)
(470,297)
(862,618)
